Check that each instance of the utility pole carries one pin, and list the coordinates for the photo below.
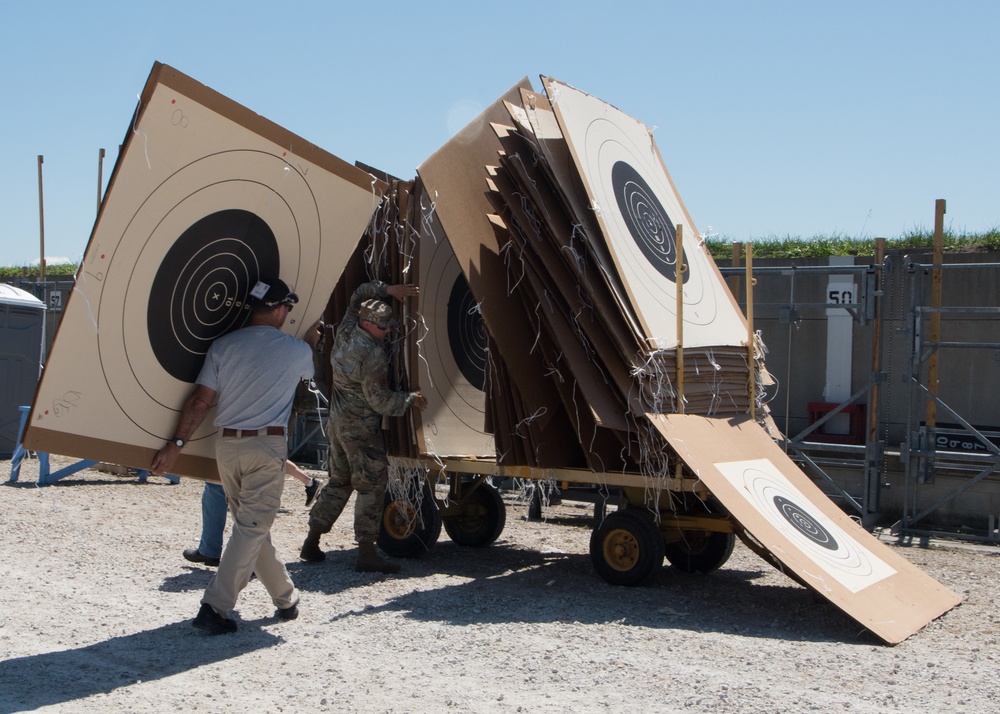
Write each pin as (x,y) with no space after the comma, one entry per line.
(100,165)
(41,223)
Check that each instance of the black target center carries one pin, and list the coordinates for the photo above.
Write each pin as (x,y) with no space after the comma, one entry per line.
(804,523)
(467,334)
(646,219)
(200,289)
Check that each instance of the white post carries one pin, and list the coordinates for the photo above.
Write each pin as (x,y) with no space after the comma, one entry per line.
(840,290)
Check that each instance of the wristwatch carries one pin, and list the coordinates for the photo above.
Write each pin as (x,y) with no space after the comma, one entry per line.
(178,442)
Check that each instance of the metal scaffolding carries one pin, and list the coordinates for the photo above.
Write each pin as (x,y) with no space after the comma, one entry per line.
(964,454)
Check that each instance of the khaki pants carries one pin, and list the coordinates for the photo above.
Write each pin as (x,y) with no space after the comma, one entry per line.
(252,473)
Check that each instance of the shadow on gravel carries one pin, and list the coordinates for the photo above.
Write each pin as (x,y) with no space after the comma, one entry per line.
(110,481)
(192,578)
(60,677)
(504,584)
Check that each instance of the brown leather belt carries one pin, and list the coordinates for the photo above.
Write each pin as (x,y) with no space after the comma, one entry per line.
(270,431)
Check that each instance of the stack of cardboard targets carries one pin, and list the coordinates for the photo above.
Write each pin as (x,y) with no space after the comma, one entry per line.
(606,339)
(546,239)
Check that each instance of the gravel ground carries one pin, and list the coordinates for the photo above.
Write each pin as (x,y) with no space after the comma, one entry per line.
(97,608)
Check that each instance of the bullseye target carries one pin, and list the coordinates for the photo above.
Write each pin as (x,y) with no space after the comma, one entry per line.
(779,509)
(646,220)
(183,269)
(638,211)
(453,355)
(201,286)
(805,523)
(839,554)
(206,199)
(467,333)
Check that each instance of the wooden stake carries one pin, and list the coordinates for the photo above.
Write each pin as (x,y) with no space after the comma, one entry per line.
(936,276)
(751,349)
(734,279)
(100,166)
(876,339)
(679,275)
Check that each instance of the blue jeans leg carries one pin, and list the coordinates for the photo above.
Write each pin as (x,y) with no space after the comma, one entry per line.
(213,520)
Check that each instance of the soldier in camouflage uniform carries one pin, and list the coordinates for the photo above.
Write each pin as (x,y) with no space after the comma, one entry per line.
(359,397)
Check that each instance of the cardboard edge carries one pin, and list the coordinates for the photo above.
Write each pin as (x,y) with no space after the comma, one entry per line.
(131,456)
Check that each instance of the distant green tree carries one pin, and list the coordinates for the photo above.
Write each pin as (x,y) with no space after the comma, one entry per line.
(826,246)
(32,271)
(721,248)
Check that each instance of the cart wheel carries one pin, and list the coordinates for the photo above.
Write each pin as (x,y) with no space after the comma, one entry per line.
(407,532)
(700,551)
(482,519)
(626,549)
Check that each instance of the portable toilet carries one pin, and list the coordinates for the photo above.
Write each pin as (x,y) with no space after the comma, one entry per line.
(22,332)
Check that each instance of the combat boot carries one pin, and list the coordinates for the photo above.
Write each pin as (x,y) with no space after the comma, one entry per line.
(310,548)
(370,562)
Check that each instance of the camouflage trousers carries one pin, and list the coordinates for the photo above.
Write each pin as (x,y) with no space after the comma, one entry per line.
(357,462)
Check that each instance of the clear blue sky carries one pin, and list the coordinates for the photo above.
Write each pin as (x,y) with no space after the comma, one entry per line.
(774,118)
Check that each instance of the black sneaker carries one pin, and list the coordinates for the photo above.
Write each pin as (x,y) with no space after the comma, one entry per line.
(312,489)
(196,556)
(287,613)
(212,622)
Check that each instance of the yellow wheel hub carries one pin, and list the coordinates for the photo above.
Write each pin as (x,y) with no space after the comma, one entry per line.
(621,550)
(400,520)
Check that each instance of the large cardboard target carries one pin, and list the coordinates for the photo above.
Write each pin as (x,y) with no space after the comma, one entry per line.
(453,354)
(638,210)
(205,199)
(838,553)
(800,528)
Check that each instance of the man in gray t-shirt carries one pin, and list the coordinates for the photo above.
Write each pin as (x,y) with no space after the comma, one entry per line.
(252,374)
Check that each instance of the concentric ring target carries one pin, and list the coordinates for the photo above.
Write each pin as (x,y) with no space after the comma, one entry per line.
(775,498)
(638,209)
(467,333)
(455,340)
(187,256)
(201,287)
(646,219)
(453,355)
(803,521)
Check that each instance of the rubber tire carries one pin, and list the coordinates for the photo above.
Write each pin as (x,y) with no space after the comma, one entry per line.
(483,527)
(626,548)
(700,552)
(394,538)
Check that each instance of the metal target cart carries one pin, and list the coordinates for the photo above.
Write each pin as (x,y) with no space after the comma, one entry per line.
(674,519)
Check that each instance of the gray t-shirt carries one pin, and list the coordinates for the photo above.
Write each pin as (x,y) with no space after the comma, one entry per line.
(254,371)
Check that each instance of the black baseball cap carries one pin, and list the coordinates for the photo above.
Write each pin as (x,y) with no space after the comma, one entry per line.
(273,292)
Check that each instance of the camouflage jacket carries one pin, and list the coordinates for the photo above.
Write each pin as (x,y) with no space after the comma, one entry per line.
(360,387)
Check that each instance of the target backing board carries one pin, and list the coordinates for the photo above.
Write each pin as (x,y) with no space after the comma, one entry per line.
(638,209)
(781,508)
(206,198)
(453,351)
(454,181)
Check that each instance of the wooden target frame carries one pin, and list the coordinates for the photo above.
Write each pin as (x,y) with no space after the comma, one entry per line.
(206,198)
